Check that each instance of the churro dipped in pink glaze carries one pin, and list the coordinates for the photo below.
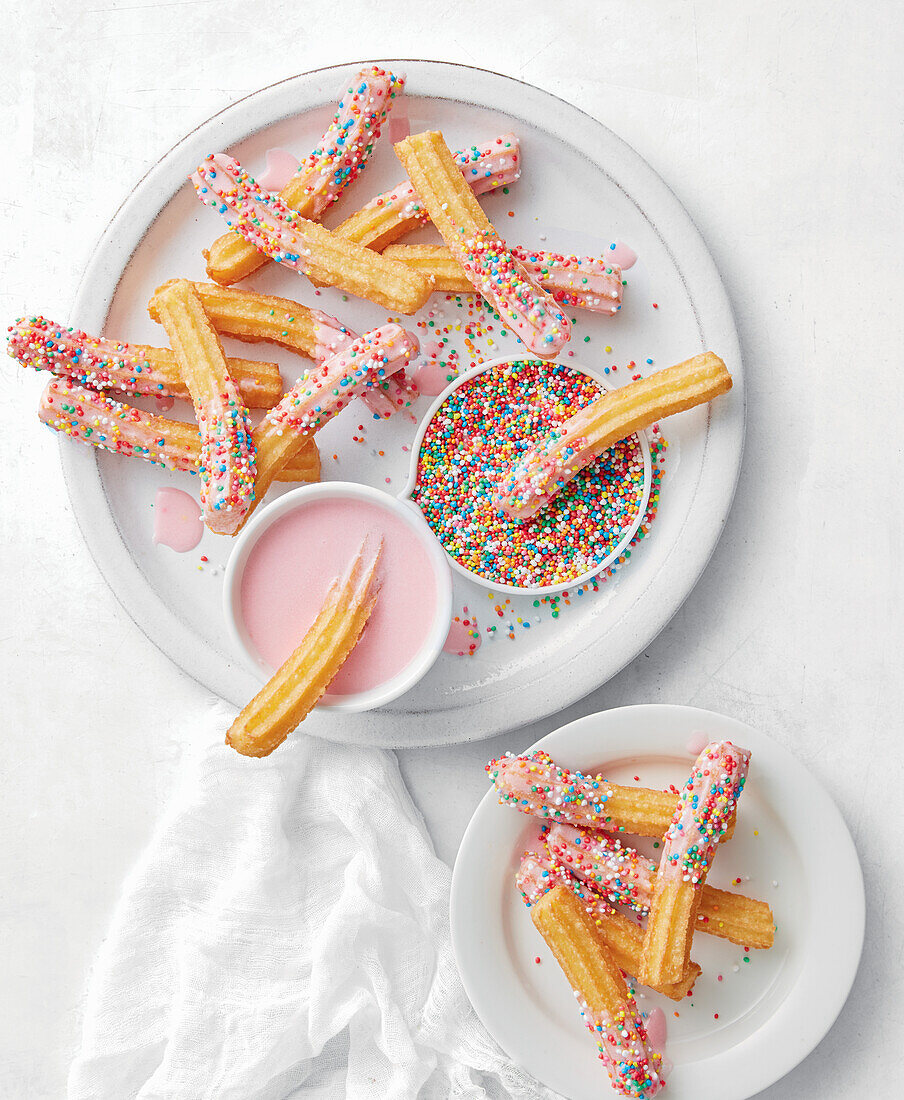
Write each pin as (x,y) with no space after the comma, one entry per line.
(96,418)
(385,396)
(305,246)
(706,806)
(536,785)
(130,368)
(608,1009)
(227,449)
(342,153)
(622,876)
(389,216)
(555,460)
(322,392)
(488,262)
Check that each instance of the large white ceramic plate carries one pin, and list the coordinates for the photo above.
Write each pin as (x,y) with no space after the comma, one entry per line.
(581,189)
(790,848)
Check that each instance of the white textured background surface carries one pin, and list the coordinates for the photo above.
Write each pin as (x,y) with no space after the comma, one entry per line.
(779,127)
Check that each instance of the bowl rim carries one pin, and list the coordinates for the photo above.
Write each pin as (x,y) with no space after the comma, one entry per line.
(275,510)
(513,589)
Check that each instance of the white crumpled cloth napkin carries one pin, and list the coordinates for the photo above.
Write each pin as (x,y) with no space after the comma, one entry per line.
(285,934)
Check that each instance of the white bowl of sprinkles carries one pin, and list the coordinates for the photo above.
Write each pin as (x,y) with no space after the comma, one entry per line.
(473,430)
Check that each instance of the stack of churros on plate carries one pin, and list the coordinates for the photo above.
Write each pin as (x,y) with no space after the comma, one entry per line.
(587,890)
(249,430)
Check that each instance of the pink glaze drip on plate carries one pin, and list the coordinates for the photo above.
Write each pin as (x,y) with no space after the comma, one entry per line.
(622,254)
(697,743)
(431,377)
(657,1028)
(463,639)
(292,564)
(281,167)
(177,520)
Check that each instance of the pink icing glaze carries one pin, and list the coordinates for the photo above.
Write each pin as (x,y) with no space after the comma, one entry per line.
(535,784)
(177,520)
(165,403)
(586,282)
(621,874)
(463,638)
(432,377)
(281,167)
(657,1028)
(294,561)
(622,255)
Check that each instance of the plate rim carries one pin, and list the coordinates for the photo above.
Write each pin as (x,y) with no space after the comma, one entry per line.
(612,649)
(829,826)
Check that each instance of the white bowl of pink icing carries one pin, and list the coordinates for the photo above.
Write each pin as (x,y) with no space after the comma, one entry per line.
(289,553)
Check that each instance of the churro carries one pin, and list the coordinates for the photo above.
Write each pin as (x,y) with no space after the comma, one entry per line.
(708,800)
(247,315)
(556,459)
(305,246)
(227,451)
(287,698)
(607,1006)
(322,392)
(96,418)
(583,282)
(536,785)
(624,937)
(400,210)
(341,155)
(530,311)
(130,368)
(622,876)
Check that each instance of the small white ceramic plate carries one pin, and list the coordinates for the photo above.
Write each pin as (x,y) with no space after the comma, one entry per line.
(580,189)
(753,1015)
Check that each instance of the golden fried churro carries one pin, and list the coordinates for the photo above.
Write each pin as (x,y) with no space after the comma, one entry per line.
(396,212)
(227,450)
(536,785)
(130,368)
(607,1006)
(307,247)
(530,311)
(95,418)
(289,695)
(624,937)
(322,392)
(553,461)
(624,877)
(341,155)
(707,802)
(584,282)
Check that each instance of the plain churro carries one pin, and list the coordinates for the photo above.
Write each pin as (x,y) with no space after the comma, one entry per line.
(530,311)
(227,451)
(707,803)
(400,210)
(340,156)
(305,246)
(96,418)
(130,368)
(554,461)
(294,689)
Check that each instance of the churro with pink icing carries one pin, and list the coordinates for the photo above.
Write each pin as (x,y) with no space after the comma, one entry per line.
(608,1009)
(322,392)
(706,806)
(583,282)
(227,450)
(488,262)
(343,152)
(536,785)
(539,872)
(304,246)
(622,876)
(554,461)
(389,216)
(110,425)
(384,397)
(130,368)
